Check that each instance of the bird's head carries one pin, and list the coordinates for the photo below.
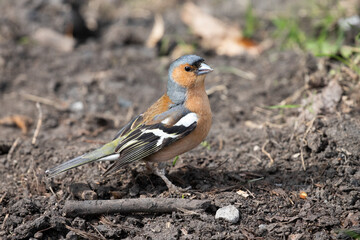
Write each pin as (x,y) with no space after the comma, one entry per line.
(186,72)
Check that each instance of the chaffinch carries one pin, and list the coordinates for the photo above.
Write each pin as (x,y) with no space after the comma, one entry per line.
(174,124)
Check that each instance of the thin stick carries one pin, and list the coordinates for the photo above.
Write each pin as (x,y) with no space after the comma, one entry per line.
(83,234)
(38,125)
(304,142)
(12,149)
(266,153)
(141,205)
(5,218)
(102,236)
(2,197)
(302,158)
(216,88)
(33,98)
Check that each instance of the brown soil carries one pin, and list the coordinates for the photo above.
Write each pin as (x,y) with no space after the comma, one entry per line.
(116,77)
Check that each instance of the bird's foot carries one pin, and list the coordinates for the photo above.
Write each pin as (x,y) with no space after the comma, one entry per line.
(161,173)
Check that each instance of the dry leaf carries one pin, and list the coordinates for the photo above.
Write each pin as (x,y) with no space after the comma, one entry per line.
(303,195)
(20,121)
(251,124)
(243,193)
(296,236)
(50,38)
(215,34)
(157,32)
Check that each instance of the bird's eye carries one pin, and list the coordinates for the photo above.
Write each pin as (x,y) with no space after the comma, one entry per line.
(187,68)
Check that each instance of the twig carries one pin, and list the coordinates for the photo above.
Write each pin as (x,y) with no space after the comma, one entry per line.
(2,197)
(143,205)
(12,149)
(251,194)
(221,143)
(188,212)
(106,221)
(38,125)
(253,156)
(102,236)
(255,179)
(238,72)
(5,218)
(266,153)
(304,142)
(52,191)
(293,97)
(302,158)
(311,123)
(45,101)
(83,234)
(216,88)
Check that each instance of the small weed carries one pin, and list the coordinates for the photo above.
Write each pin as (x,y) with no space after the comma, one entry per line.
(284,106)
(289,32)
(206,145)
(250,22)
(25,40)
(323,39)
(175,160)
(351,233)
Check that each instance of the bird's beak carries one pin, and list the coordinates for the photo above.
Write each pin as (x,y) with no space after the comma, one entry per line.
(204,69)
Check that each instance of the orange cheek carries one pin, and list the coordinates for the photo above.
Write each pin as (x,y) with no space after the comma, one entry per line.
(182,77)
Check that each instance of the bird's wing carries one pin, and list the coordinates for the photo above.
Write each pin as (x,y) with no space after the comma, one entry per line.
(137,140)
(130,126)
(148,138)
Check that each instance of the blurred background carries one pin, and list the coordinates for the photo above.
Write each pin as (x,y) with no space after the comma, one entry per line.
(285,95)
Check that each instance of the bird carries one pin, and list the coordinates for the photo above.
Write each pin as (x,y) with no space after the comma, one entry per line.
(176,123)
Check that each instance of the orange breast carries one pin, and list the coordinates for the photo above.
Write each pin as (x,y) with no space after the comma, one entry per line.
(197,102)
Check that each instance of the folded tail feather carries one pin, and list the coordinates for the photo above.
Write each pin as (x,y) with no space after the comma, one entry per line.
(106,152)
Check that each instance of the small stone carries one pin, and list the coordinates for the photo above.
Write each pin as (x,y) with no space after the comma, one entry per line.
(134,190)
(77,106)
(262,229)
(124,102)
(38,235)
(71,236)
(229,213)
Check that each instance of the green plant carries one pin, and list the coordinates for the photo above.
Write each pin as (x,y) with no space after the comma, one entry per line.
(175,160)
(351,233)
(284,106)
(250,22)
(289,32)
(322,38)
(206,145)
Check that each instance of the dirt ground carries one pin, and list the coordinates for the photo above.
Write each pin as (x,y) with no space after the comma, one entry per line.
(88,93)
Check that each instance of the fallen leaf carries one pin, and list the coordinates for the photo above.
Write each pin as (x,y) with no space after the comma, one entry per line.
(50,38)
(243,193)
(296,236)
(303,195)
(215,34)
(157,32)
(20,121)
(251,124)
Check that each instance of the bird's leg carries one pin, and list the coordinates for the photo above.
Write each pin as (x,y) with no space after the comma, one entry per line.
(160,172)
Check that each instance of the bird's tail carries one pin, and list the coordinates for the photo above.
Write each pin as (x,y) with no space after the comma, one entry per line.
(106,152)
